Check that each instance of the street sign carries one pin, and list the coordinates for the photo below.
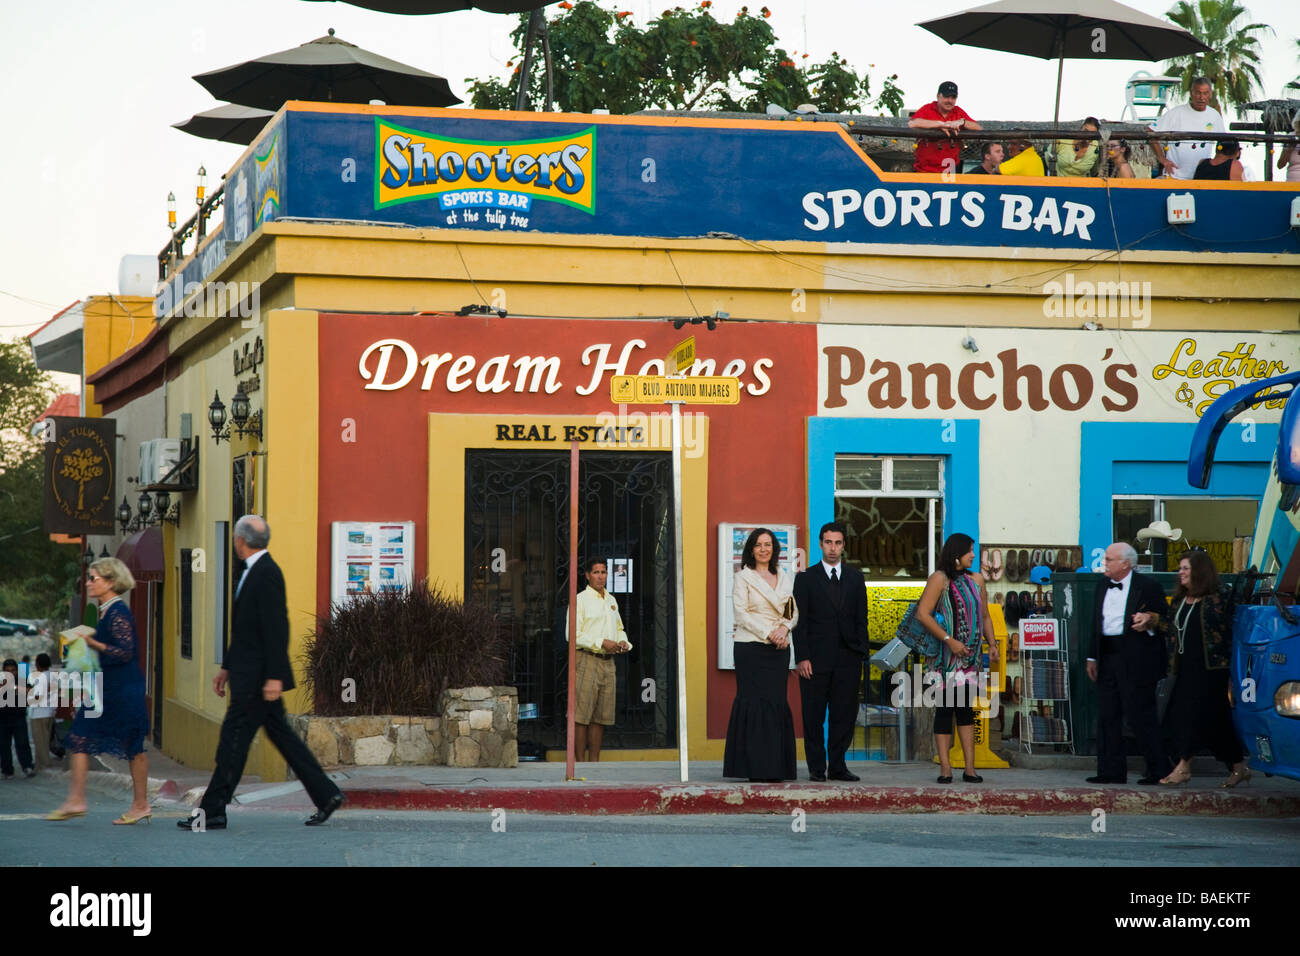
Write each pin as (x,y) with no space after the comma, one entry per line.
(682,356)
(658,389)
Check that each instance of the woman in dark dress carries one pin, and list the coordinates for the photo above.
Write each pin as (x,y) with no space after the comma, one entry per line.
(124,722)
(1200,635)
(760,735)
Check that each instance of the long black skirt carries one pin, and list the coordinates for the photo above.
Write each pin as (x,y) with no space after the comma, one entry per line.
(1199,716)
(760,736)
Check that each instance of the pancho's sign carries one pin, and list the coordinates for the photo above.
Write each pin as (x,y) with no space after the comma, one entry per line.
(1139,376)
(80,471)
(480,182)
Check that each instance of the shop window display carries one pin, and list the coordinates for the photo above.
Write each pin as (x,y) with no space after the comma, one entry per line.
(892,512)
(1218,526)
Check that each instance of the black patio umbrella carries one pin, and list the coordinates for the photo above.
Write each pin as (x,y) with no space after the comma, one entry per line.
(536,25)
(1066,29)
(228,123)
(326,69)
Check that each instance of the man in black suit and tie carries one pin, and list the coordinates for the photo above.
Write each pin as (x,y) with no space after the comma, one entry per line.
(830,643)
(1127,662)
(258,671)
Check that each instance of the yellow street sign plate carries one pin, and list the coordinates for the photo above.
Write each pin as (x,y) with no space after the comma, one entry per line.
(682,356)
(691,390)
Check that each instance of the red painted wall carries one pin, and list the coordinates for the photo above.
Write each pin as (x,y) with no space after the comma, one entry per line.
(757,449)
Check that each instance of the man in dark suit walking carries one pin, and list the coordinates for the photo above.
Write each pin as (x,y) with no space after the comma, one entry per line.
(830,643)
(258,671)
(1127,662)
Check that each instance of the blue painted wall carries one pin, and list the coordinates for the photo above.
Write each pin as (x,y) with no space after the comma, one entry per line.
(1150,458)
(957,440)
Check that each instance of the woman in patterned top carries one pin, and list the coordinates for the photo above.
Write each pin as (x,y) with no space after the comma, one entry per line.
(958,595)
(1200,649)
(123,724)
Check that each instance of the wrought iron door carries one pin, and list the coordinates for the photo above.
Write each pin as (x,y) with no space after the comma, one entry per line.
(517,561)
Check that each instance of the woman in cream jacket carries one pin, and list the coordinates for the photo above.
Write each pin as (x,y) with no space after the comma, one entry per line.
(760,736)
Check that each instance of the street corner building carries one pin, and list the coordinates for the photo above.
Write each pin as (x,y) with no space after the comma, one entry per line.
(406,317)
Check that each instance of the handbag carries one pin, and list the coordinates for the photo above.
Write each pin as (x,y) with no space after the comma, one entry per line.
(787,611)
(912,633)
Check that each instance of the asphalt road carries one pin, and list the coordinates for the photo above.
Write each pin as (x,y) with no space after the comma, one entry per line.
(266,837)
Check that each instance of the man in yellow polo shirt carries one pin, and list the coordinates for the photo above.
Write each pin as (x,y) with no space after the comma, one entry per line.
(600,637)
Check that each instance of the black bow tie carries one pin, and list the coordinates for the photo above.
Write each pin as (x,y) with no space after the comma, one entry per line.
(1115,584)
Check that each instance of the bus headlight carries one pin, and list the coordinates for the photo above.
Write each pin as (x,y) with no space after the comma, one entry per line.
(1287,699)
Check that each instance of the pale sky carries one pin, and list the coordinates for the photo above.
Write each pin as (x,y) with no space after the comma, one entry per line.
(90,90)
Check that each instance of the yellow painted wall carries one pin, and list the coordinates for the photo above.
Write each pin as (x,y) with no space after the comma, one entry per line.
(110,326)
(451,435)
(350,268)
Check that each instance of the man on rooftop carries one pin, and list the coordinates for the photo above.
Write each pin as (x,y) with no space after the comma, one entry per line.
(941,155)
(1180,159)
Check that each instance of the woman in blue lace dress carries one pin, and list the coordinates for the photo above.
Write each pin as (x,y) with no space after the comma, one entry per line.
(123,724)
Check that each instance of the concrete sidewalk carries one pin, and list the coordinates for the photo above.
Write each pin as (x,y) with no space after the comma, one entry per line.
(1050,785)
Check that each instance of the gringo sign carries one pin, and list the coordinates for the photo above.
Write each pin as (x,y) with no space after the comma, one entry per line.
(484,181)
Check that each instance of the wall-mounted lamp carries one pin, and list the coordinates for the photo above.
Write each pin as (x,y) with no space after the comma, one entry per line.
(242,419)
(89,557)
(171,211)
(124,514)
(201,186)
(103,553)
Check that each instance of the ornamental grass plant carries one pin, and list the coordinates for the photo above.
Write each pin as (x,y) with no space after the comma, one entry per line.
(401,650)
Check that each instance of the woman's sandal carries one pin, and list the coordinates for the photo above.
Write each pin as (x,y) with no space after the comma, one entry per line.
(59,815)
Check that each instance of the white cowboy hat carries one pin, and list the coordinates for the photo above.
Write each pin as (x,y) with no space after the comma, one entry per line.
(1160,529)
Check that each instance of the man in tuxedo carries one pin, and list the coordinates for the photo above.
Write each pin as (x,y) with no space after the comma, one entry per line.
(1127,662)
(258,671)
(830,643)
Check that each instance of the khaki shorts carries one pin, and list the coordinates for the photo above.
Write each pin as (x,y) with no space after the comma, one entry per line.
(595,703)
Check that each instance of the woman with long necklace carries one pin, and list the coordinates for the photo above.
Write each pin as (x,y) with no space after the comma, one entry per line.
(1201,635)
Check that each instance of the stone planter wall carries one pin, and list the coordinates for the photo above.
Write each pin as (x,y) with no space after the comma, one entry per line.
(478,728)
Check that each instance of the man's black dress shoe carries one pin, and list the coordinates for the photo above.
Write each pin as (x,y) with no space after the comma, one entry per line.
(817,777)
(1103,779)
(323,814)
(844,775)
(1149,781)
(192,823)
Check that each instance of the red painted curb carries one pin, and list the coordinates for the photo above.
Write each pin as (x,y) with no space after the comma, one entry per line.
(776,798)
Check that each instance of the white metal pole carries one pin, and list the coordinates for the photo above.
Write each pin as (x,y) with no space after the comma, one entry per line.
(681,591)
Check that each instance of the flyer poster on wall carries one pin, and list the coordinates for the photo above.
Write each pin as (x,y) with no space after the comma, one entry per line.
(620,575)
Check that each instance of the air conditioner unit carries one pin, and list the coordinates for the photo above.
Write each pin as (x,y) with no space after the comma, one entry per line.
(158,456)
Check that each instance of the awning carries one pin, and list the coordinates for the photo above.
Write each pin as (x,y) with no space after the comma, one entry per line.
(143,554)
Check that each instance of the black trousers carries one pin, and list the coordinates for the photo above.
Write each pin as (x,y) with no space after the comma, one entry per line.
(13,734)
(1121,694)
(249,711)
(837,687)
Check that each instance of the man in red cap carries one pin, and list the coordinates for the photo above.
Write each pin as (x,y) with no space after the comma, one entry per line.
(941,155)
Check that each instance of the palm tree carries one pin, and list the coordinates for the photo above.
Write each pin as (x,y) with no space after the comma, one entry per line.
(1295,84)
(1232,65)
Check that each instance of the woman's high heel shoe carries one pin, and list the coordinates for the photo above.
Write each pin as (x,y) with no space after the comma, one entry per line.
(1236,777)
(1176,779)
(126,820)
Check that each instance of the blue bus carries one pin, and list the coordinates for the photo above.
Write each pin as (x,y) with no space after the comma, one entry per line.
(1265,685)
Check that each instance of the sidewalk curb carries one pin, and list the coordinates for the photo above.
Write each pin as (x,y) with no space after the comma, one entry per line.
(784,799)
